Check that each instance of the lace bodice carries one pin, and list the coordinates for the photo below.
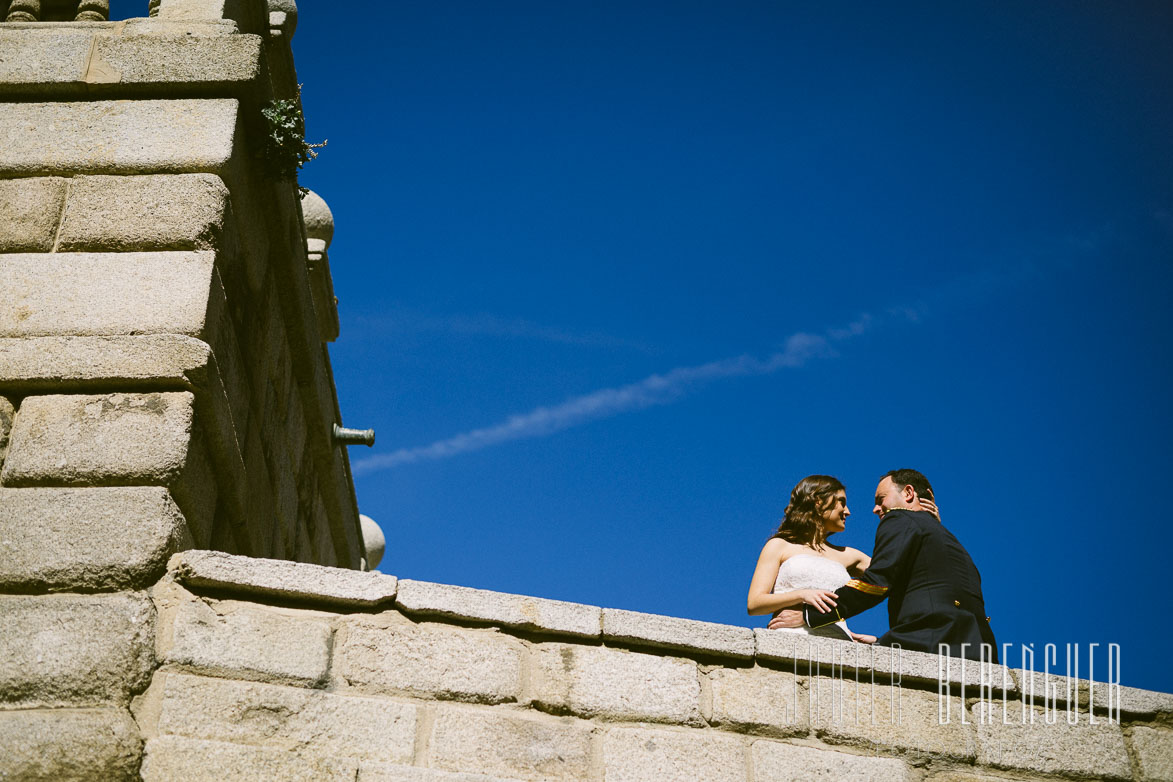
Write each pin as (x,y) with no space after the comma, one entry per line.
(810,571)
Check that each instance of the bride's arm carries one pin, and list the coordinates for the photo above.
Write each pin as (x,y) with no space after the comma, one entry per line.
(761,599)
(861,563)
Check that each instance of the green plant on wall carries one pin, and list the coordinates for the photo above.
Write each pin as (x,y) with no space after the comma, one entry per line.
(286,150)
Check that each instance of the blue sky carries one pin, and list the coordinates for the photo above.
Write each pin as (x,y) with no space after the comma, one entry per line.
(614,276)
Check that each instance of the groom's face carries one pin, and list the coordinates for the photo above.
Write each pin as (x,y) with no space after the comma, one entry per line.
(889,496)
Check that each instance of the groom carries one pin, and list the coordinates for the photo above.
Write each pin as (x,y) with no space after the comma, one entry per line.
(934,590)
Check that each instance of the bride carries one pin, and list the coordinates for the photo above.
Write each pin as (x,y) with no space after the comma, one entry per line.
(798,565)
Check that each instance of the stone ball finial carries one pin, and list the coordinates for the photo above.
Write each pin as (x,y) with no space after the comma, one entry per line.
(373,541)
(319,220)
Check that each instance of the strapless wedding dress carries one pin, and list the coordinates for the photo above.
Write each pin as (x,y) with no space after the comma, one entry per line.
(810,571)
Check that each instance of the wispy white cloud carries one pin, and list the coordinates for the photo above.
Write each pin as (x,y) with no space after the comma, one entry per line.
(658,389)
(1033,263)
(403,320)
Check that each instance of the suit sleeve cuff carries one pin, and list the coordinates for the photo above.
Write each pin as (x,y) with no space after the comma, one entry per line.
(813,617)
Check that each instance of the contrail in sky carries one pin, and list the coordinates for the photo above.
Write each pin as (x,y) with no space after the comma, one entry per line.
(658,389)
(1031,264)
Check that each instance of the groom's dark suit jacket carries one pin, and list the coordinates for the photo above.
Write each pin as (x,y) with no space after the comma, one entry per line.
(934,590)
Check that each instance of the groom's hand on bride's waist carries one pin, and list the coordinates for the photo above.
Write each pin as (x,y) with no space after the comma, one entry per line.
(787,617)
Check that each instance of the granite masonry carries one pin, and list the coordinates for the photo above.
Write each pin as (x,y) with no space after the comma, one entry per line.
(185,581)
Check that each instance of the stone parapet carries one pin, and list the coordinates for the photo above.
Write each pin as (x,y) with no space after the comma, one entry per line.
(278,579)
(385,692)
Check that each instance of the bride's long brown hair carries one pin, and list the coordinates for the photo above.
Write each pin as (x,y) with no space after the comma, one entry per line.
(803,521)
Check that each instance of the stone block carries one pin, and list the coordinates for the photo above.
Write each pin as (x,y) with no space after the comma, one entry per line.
(176,759)
(879,716)
(759,700)
(1153,748)
(292,580)
(61,364)
(63,61)
(82,294)
(59,650)
(1132,701)
(67,745)
(447,662)
(673,633)
(509,744)
(251,642)
(288,718)
(117,136)
(7,414)
(86,439)
(29,211)
(32,58)
(1082,749)
(528,613)
(899,665)
(593,681)
(127,213)
(646,755)
(181,59)
(105,538)
(970,776)
(774,761)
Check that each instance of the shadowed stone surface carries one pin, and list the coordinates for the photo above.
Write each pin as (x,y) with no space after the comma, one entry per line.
(642,755)
(74,649)
(29,211)
(381,772)
(162,212)
(250,575)
(276,645)
(91,538)
(7,414)
(117,137)
(519,611)
(510,744)
(110,293)
(1081,749)
(175,759)
(289,718)
(105,438)
(777,762)
(672,633)
(615,684)
(69,744)
(429,659)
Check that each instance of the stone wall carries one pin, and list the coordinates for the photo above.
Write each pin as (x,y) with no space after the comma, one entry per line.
(164,379)
(163,368)
(254,668)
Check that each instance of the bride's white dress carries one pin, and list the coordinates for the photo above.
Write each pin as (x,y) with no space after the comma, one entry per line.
(810,571)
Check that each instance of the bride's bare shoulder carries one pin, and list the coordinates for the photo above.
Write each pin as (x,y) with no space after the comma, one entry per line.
(776,547)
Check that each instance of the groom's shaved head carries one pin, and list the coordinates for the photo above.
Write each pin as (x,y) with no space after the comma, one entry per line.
(907,477)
